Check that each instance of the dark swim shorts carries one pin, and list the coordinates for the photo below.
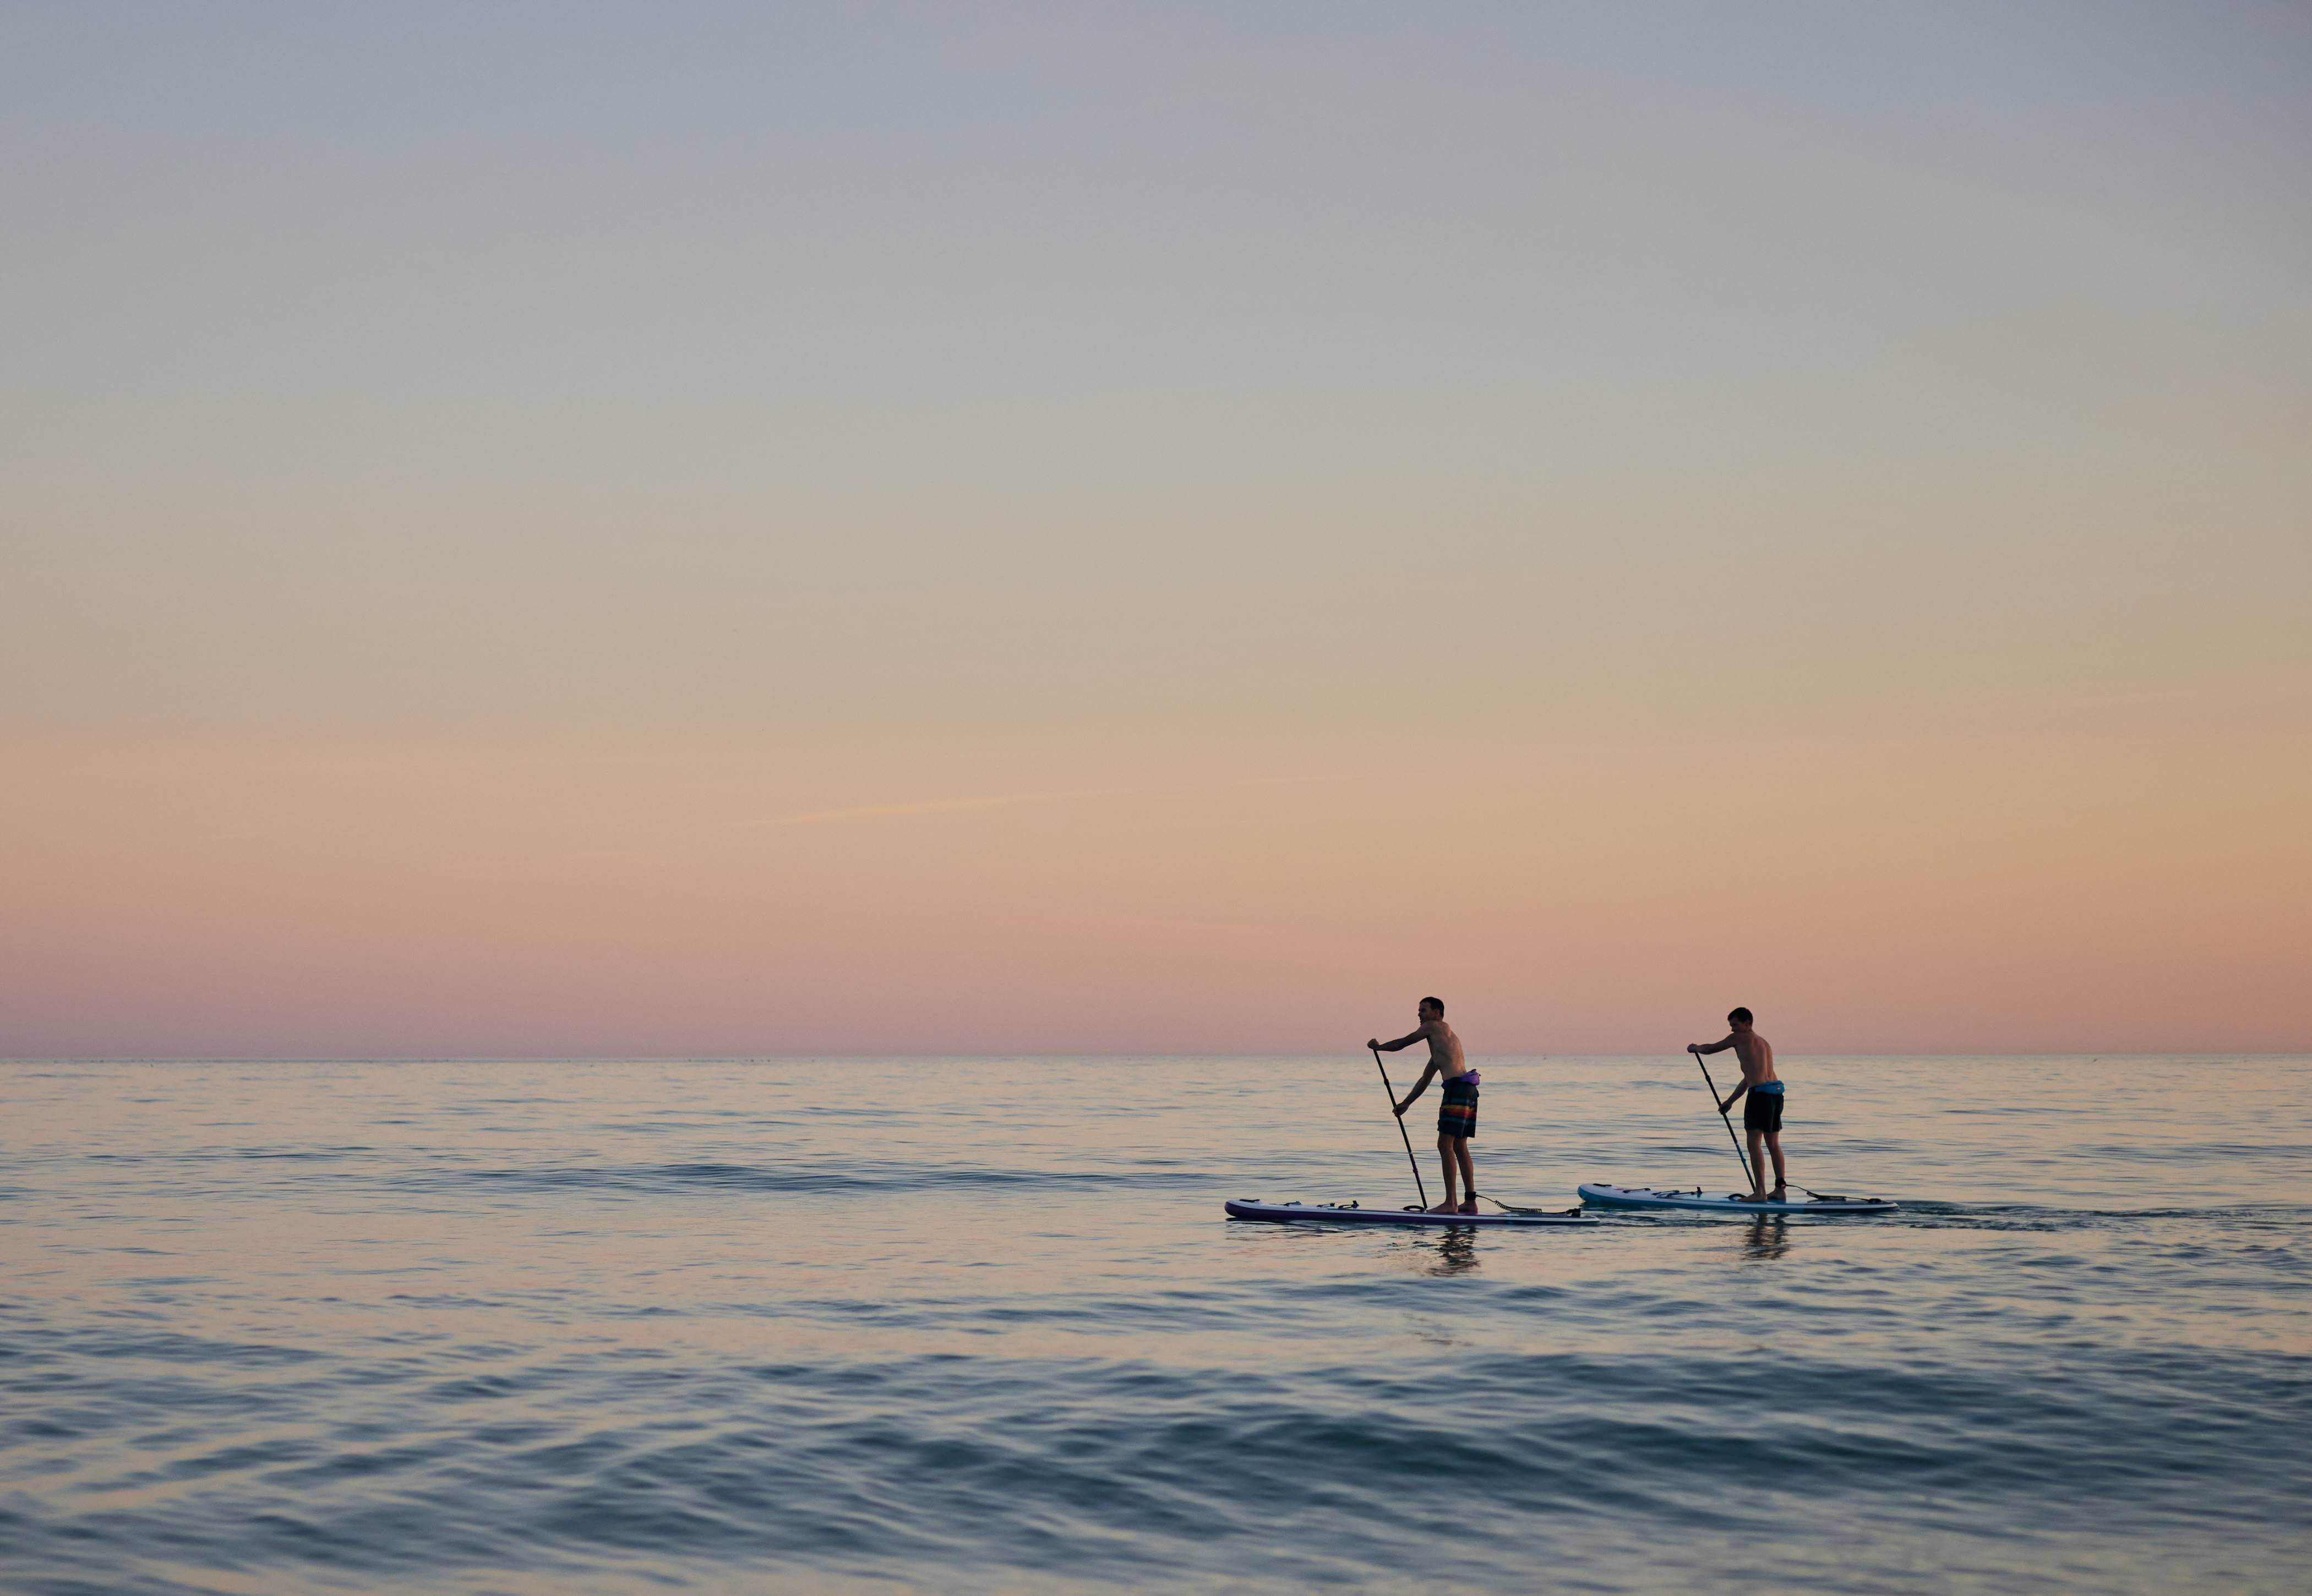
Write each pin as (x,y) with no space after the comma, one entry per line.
(1458,1114)
(1763,1110)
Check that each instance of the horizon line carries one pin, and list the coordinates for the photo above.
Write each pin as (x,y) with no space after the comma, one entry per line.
(2212,1054)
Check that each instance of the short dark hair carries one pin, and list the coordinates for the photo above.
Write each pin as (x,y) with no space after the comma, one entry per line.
(1740,1016)
(1436,1003)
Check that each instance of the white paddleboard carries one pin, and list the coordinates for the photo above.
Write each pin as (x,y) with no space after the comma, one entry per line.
(1602,1194)
(1325,1213)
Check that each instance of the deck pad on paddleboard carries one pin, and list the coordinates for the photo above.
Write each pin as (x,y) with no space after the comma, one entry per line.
(1282,1213)
(1605,1195)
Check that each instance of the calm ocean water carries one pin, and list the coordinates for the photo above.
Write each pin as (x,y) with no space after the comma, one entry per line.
(980,1325)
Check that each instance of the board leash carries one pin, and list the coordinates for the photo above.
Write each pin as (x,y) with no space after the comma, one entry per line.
(1418,1186)
(1510,1208)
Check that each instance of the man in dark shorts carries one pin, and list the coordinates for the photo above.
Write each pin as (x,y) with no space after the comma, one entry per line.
(1456,1116)
(1762,1116)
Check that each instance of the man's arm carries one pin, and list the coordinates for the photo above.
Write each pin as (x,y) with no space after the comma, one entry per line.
(1419,1086)
(1719,1047)
(1402,1042)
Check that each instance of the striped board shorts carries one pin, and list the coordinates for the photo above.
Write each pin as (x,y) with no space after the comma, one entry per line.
(1458,1114)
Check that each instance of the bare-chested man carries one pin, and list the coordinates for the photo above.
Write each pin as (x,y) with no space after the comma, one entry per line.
(1762,1116)
(1457,1117)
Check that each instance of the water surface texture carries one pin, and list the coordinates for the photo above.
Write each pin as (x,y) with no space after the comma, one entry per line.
(980,1325)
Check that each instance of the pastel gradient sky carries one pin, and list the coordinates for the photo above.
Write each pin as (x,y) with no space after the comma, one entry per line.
(568,529)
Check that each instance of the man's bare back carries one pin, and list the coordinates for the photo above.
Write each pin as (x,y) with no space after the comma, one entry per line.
(1445,1055)
(1754,1051)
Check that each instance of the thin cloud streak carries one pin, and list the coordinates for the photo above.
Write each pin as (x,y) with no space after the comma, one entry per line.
(954,805)
(1012,800)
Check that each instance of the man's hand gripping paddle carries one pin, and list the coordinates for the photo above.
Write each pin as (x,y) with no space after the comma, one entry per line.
(1409,1158)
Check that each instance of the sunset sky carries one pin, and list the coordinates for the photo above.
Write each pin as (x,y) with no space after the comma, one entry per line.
(568,529)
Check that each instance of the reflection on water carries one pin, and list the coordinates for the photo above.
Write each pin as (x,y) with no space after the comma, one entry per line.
(1768,1235)
(1450,1253)
(624,1326)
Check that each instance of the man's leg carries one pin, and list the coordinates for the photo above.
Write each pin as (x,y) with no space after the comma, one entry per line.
(1757,1164)
(1469,1173)
(1775,1145)
(1452,1174)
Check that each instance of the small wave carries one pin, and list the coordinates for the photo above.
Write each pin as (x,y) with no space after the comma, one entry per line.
(776,1177)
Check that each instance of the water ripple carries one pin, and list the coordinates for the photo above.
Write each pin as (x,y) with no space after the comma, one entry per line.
(466,1328)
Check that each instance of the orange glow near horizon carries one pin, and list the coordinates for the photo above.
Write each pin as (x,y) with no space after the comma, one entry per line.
(1895,897)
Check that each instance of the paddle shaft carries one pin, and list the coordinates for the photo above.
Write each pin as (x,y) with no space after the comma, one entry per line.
(1739,1156)
(1417,1183)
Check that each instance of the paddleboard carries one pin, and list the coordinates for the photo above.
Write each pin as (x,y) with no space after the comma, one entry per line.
(1286,1213)
(1603,1195)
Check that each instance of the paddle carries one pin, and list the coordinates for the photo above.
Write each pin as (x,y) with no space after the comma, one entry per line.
(1738,1155)
(1409,1158)
(1739,1158)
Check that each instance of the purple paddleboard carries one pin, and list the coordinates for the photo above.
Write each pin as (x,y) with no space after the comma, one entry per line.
(1325,1213)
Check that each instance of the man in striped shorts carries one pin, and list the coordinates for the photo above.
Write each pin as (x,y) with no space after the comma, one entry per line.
(1456,1116)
